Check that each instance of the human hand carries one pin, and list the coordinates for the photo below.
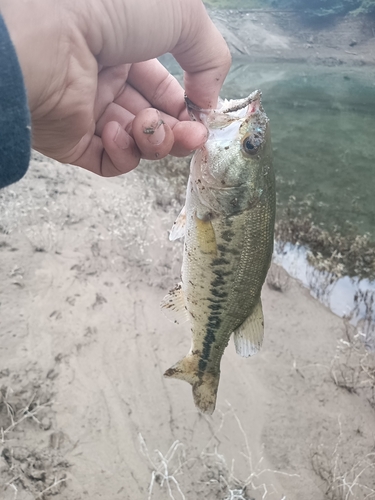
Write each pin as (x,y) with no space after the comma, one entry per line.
(98,98)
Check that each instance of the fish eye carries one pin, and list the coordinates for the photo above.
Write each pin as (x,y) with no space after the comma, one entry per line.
(250,145)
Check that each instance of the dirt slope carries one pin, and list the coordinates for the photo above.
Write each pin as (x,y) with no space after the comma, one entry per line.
(285,36)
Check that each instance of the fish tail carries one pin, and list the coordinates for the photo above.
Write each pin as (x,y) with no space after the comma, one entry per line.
(205,384)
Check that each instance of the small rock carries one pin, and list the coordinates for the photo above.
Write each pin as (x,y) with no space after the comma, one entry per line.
(56,440)
(46,423)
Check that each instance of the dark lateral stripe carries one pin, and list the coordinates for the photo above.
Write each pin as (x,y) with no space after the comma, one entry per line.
(202,365)
(207,343)
(222,248)
(219,280)
(217,293)
(213,323)
(227,235)
(220,272)
(215,307)
(220,261)
(214,301)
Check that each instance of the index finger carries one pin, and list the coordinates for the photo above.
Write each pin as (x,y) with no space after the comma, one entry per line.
(204,55)
(158,87)
(131,31)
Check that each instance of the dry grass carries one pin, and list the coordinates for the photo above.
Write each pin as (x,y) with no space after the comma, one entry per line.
(118,219)
(17,415)
(344,482)
(353,367)
(351,254)
(172,470)
(348,472)
(40,472)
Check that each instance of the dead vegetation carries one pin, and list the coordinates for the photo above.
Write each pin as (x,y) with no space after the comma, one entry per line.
(39,471)
(348,472)
(343,481)
(171,472)
(120,220)
(330,251)
(353,367)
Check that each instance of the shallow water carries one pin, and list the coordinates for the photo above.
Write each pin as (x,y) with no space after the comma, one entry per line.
(352,298)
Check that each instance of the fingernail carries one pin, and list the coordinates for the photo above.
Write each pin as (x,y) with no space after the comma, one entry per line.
(155,135)
(121,139)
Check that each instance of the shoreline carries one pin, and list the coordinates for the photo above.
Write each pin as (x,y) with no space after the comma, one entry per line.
(275,36)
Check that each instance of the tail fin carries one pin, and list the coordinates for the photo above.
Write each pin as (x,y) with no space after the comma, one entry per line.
(205,384)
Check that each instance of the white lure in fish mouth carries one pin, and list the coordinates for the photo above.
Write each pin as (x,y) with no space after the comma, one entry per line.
(227,111)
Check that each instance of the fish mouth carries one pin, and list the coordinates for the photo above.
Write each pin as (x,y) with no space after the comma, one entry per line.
(228,112)
(253,102)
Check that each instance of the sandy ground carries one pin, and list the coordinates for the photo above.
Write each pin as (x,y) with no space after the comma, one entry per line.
(85,412)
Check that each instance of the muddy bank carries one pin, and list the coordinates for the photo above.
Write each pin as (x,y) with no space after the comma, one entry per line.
(285,36)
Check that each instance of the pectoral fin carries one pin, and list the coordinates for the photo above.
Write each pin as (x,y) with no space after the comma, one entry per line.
(178,228)
(248,338)
(206,236)
(173,305)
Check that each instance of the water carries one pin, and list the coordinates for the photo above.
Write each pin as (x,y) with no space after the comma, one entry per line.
(323,132)
(323,124)
(352,298)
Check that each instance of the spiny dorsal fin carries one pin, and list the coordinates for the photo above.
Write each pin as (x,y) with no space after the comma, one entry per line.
(178,228)
(173,305)
(248,338)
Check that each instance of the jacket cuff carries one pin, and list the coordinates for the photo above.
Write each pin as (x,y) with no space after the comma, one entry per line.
(15,128)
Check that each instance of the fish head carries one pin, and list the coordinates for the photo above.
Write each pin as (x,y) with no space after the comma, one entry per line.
(229,172)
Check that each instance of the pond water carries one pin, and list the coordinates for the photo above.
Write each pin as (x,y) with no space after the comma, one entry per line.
(323,132)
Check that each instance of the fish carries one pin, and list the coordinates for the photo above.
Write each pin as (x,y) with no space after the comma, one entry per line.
(228,228)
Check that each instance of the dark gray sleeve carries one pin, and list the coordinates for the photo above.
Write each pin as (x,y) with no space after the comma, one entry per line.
(14,114)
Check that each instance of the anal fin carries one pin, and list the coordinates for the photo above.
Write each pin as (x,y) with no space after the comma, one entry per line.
(248,337)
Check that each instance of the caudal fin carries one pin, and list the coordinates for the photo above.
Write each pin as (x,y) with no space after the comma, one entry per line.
(205,384)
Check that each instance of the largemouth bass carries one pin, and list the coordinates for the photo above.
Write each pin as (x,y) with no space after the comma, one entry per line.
(228,225)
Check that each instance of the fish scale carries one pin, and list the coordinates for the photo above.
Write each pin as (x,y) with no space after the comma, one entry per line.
(228,225)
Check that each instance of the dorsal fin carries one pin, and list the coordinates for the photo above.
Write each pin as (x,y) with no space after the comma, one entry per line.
(248,338)
(173,305)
